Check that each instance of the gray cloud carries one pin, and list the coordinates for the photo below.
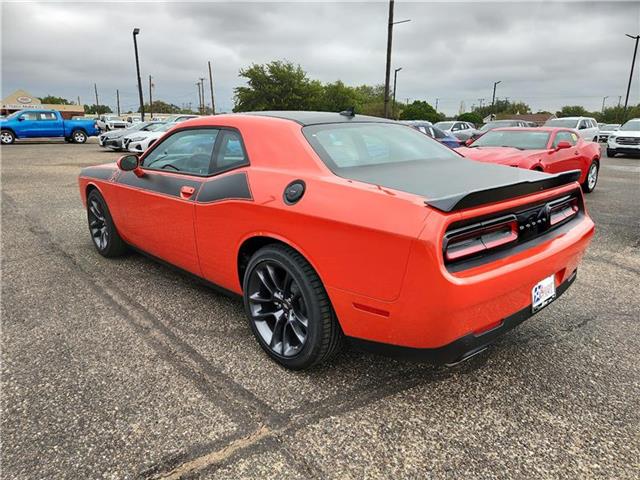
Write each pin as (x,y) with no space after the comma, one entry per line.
(546,53)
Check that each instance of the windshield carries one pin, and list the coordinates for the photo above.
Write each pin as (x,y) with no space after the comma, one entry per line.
(631,125)
(348,147)
(14,114)
(444,125)
(562,122)
(501,123)
(609,126)
(521,139)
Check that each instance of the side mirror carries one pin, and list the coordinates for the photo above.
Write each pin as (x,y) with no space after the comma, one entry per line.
(562,145)
(21,118)
(130,163)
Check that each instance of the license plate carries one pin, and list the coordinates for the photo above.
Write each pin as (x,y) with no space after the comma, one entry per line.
(543,293)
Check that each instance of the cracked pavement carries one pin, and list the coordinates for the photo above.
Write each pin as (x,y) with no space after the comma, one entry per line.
(128,369)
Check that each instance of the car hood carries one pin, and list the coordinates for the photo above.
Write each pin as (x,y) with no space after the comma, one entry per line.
(499,155)
(626,133)
(457,183)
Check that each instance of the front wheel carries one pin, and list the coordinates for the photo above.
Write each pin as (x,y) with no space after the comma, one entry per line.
(7,137)
(611,153)
(79,136)
(288,308)
(592,178)
(103,231)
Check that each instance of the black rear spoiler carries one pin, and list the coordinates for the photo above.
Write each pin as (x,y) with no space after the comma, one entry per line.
(498,193)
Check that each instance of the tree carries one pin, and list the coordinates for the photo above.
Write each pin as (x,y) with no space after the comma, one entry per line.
(573,111)
(51,100)
(337,97)
(472,117)
(279,85)
(97,109)
(502,108)
(161,107)
(420,110)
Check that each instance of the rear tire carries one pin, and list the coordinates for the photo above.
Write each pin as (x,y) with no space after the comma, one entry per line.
(592,177)
(288,309)
(7,137)
(101,227)
(79,136)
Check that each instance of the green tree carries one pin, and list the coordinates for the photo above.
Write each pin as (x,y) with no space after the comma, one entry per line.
(279,85)
(472,117)
(371,99)
(337,96)
(420,110)
(573,111)
(161,107)
(502,108)
(51,100)
(97,109)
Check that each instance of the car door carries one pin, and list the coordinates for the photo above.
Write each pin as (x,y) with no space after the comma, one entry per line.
(159,205)
(565,159)
(28,124)
(48,125)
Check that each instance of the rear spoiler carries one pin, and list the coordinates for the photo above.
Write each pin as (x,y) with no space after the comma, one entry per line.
(476,198)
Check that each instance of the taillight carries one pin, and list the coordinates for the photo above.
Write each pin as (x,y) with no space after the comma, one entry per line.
(480,237)
(562,210)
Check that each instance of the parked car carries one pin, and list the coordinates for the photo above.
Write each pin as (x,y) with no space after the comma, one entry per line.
(134,119)
(625,140)
(179,118)
(45,123)
(545,149)
(110,122)
(502,124)
(461,130)
(114,140)
(428,129)
(138,142)
(607,129)
(333,225)
(587,127)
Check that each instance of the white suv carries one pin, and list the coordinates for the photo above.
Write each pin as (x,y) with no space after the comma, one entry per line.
(587,127)
(626,139)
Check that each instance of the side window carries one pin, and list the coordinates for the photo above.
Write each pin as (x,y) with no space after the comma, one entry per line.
(582,125)
(230,153)
(29,116)
(187,151)
(47,116)
(570,137)
(456,127)
(422,129)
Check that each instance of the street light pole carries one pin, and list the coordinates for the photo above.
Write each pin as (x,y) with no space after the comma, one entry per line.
(203,102)
(136,31)
(493,99)
(387,76)
(633,63)
(395,82)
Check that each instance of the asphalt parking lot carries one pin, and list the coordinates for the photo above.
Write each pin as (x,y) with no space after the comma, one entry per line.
(127,369)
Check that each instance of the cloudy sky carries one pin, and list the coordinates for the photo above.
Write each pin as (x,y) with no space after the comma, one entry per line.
(547,54)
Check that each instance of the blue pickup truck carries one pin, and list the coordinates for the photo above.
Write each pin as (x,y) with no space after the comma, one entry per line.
(45,123)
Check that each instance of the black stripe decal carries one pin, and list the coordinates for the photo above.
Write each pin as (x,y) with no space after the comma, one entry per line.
(229,187)
(98,173)
(165,184)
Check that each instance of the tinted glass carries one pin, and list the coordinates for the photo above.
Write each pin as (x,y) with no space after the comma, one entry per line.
(47,116)
(30,116)
(565,137)
(230,153)
(522,139)
(631,125)
(348,146)
(188,151)
(561,122)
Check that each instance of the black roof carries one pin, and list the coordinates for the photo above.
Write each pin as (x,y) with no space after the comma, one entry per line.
(315,118)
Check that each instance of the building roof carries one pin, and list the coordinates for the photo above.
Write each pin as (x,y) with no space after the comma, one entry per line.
(305,118)
(23,100)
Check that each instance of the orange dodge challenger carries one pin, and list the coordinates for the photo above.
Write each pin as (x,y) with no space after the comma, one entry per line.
(340,225)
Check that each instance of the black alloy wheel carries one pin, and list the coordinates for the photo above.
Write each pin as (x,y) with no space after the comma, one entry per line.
(103,232)
(288,308)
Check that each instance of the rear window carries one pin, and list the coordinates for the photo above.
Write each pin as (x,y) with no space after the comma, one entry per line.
(347,146)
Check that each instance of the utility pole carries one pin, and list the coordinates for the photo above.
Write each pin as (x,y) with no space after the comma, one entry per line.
(118,100)
(95,88)
(79,100)
(395,82)
(481,100)
(604,99)
(493,98)
(202,86)
(150,99)
(199,97)
(633,63)
(213,105)
(136,31)
(437,100)
(387,76)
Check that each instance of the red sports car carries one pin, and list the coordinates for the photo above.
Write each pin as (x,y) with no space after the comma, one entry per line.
(334,225)
(546,149)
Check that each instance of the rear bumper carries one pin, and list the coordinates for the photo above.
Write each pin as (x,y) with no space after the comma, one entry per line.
(463,347)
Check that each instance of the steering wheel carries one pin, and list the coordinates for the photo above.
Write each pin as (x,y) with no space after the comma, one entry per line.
(198,161)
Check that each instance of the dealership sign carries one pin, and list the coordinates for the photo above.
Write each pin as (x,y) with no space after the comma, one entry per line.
(24,100)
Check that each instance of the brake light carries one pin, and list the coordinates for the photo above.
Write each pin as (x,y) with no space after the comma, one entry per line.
(563,210)
(480,237)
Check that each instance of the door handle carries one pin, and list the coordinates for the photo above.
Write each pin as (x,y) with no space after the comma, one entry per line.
(186,191)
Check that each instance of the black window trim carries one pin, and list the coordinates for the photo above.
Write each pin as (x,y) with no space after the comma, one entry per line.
(220,128)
